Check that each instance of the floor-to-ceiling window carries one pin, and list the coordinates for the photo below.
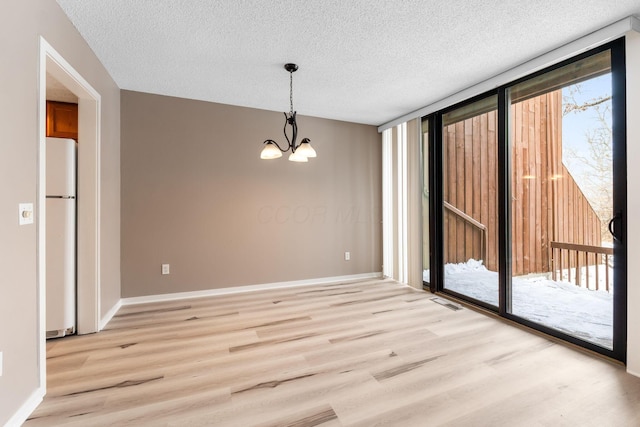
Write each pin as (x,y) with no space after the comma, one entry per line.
(527,218)
(426,241)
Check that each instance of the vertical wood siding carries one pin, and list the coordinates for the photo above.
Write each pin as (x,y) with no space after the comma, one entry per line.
(547,204)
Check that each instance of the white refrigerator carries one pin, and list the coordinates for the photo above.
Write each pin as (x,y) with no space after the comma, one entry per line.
(61,237)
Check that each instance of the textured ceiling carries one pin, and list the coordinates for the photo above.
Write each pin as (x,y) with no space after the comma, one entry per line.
(56,91)
(365,61)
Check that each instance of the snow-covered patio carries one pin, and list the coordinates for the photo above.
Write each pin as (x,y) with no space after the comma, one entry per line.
(583,313)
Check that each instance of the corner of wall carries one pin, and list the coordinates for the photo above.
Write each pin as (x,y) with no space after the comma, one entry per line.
(27,408)
(633,199)
(109,315)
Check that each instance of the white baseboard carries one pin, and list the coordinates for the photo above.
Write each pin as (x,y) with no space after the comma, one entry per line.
(250,288)
(27,408)
(107,317)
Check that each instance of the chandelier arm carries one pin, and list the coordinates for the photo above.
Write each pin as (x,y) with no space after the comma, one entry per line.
(291,120)
(266,141)
(284,129)
(294,126)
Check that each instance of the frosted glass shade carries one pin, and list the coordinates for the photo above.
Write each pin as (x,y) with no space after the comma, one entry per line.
(306,149)
(297,157)
(270,151)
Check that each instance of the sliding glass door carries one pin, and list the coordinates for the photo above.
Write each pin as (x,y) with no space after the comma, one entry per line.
(562,199)
(527,218)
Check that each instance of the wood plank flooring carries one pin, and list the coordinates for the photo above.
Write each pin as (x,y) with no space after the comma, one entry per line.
(371,353)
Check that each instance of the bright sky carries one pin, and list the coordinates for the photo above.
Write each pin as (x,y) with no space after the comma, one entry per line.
(577,125)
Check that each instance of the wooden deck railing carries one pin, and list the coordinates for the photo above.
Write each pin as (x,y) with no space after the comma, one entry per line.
(478,225)
(568,256)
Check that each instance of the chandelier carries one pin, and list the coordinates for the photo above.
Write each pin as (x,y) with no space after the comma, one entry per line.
(300,152)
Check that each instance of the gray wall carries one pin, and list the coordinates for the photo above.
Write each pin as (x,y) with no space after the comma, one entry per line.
(196,195)
(22,24)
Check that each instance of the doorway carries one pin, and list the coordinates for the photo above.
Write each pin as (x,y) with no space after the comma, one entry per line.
(88,228)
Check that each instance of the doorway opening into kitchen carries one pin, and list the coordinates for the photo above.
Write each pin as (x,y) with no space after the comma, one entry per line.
(88,229)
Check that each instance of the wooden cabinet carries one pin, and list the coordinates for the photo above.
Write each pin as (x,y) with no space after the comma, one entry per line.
(62,120)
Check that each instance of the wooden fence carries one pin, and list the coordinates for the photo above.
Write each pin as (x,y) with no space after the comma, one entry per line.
(547,204)
(586,266)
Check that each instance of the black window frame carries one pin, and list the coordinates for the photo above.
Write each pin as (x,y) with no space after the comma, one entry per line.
(436,220)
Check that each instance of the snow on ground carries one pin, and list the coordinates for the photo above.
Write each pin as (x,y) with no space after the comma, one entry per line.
(583,313)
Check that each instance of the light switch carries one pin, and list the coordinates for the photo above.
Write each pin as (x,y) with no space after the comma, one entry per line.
(25,213)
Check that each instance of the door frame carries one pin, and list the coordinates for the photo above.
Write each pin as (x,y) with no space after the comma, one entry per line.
(88,200)
(618,70)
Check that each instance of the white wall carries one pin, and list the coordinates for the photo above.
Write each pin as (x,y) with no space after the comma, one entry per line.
(633,202)
(24,23)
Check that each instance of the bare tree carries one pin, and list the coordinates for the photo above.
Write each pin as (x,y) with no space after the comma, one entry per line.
(596,175)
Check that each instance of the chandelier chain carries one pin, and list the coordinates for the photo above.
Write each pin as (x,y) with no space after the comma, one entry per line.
(291,92)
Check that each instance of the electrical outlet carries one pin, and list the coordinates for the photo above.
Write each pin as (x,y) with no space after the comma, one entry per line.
(0,363)
(165,269)
(347,256)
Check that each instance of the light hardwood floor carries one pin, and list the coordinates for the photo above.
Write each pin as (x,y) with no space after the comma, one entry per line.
(359,354)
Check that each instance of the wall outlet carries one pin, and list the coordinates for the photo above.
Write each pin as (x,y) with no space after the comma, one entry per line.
(347,256)
(0,363)
(165,269)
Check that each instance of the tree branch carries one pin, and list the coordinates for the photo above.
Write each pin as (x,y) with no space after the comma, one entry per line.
(569,107)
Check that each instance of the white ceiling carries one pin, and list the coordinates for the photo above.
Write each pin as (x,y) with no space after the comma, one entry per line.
(364,61)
